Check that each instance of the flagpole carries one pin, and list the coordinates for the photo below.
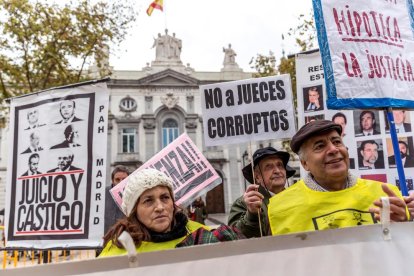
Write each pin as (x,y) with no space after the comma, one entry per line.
(165,14)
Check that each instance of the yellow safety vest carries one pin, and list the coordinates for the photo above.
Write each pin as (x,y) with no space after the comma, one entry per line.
(112,250)
(300,208)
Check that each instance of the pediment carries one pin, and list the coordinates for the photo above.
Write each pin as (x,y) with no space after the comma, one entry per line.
(168,78)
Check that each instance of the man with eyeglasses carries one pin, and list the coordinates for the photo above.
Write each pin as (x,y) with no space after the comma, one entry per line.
(65,163)
(270,177)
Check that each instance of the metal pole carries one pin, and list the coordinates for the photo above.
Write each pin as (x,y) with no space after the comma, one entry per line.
(397,155)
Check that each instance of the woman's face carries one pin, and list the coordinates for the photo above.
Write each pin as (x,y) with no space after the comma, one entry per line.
(155,209)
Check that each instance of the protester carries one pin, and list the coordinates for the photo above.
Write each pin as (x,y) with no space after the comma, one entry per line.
(270,173)
(154,221)
(197,211)
(329,196)
(112,211)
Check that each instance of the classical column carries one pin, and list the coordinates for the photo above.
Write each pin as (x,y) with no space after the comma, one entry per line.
(190,103)
(148,104)
(191,126)
(149,128)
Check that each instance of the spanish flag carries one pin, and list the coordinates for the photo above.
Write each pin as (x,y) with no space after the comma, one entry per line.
(157,4)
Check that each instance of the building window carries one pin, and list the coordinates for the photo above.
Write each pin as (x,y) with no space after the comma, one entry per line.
(128,104)
(169,131)
(128,140)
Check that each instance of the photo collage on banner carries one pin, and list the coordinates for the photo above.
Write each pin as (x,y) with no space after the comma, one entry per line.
(365,132)
(55,167)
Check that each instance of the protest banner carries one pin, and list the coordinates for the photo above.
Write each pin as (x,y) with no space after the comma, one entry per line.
(345,251)
(367,49)
(181,160)
(57,167)
(355,124)
(247,110)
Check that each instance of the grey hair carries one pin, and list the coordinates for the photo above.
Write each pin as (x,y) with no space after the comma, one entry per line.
(301,154)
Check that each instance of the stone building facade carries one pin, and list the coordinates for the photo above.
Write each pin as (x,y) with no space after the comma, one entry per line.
(151,107)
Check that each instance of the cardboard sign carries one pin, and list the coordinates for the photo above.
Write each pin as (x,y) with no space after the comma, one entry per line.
(185,164)
(56,168)
(248,110)
(367,50)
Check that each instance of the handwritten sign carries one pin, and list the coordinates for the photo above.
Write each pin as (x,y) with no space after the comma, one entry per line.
(367,50)
(185,164)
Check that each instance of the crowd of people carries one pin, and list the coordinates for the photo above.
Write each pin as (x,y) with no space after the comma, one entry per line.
(328,197)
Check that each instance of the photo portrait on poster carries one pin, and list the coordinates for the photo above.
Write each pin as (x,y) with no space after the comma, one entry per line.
(33,119)
(309,119)
(33,165)
(34,144)
(402,121)
(67,110)
(408,182)
(52,175)
(367,123)
(340,119)
(313,98)
(371,154)
(405,145)
(71,138)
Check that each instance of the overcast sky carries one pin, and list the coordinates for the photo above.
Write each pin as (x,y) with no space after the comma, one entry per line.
(205,27)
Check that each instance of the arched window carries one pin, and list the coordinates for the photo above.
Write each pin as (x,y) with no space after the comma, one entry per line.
(170,131)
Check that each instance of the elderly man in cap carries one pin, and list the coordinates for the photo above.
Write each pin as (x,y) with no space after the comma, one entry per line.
(270,174)
(329,196)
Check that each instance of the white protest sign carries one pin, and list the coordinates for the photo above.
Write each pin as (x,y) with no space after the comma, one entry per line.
(181,160)
(247,110)
(367,48)
(57,168)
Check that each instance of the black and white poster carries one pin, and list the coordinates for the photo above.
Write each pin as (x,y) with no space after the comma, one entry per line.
(57,168)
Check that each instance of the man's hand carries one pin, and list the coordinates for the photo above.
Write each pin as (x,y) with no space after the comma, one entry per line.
(253,198)
(397,206)
(409,200)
